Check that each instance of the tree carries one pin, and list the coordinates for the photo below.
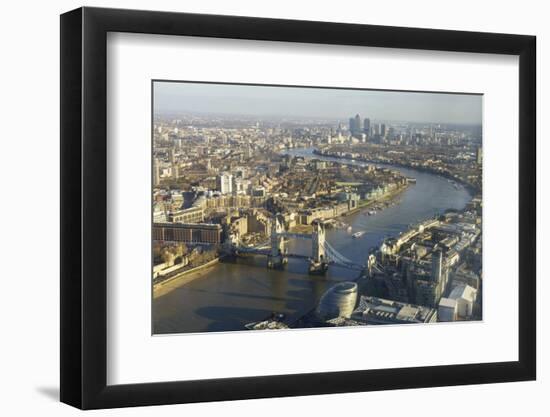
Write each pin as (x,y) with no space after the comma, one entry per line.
(167,256)
(181,249)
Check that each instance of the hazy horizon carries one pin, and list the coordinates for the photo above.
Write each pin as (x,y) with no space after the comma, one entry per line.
(312,102)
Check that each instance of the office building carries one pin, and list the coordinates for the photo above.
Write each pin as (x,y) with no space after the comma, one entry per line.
(225,183)
(190,215)
(173,165)
(156,173)
(210,234)
(355,125)
(479,155)
(427,293)
(373,310)
(465,298)
(366,126)
(382,130)
(447,310)
(437,265)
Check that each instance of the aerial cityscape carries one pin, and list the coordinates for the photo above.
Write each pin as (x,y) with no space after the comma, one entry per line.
(299,207)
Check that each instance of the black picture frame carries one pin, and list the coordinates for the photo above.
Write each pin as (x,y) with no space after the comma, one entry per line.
(84,207)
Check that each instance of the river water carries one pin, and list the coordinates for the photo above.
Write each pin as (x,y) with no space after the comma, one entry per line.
(229,295)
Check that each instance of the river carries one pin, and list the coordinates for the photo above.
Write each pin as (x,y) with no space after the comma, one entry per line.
(229,295)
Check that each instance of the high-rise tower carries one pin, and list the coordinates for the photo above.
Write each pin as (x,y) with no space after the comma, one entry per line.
(225,183)
(366,126)
(437,265)
(357,123)
(174,166)
(156,172)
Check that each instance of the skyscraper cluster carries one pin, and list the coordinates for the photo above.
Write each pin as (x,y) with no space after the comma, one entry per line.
(358,128)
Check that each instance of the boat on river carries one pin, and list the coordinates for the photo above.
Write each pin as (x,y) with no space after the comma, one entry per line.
(358,234)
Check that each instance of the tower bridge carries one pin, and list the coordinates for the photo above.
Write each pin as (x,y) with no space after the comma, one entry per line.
(322,253)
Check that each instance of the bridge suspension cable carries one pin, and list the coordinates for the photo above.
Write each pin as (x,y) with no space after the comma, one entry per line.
(335,256)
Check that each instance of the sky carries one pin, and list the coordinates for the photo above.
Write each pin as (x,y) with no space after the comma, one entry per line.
(296,102)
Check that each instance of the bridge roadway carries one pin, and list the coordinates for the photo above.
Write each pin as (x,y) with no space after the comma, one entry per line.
(265,252)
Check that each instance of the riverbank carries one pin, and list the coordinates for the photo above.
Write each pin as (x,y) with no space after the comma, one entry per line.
(470,187)
(386,199)
(164,287)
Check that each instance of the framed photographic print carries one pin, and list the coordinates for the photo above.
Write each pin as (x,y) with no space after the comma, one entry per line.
(257,207)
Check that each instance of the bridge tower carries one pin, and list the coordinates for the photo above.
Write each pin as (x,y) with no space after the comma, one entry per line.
(318,263)
(318,242)
(371,263)
(276,258)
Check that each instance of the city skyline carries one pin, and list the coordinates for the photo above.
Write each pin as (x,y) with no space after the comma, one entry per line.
(172,97)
